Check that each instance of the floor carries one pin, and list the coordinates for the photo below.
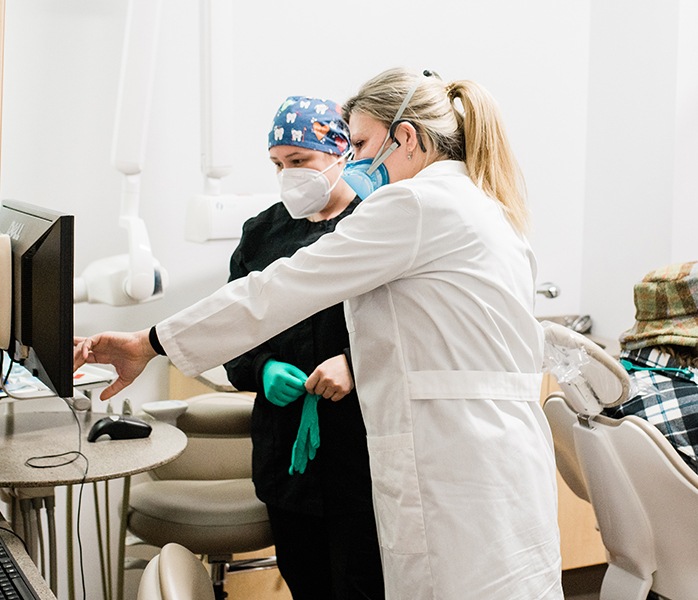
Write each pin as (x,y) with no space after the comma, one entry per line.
(583,584)
(578,584)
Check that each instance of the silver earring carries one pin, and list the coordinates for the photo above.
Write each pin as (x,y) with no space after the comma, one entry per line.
(409,156)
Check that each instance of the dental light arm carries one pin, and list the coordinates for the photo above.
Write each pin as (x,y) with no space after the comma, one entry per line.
(207,212)
(140,280)
(217,99)
(213,215)
(137,276)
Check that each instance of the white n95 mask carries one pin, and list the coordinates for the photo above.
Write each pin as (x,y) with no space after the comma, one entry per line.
(305,192)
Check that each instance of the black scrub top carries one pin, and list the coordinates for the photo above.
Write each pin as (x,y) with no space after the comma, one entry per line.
(337,480)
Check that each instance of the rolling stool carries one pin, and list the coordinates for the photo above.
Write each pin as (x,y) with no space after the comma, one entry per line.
(204,500)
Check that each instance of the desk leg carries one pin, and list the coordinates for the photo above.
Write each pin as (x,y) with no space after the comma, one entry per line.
(104,564)
(36,504)
(25,506)
(126,498)
(50,504)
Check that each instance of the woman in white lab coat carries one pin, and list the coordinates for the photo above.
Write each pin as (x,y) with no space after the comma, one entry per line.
(439,287)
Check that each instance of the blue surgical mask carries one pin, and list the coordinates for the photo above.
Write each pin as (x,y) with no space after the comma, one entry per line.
(356,174)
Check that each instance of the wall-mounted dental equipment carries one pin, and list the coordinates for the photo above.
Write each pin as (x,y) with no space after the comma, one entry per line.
(212,215)
(137,276)
(217,99)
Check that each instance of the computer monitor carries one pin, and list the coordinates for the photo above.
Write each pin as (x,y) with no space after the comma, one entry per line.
(41,333)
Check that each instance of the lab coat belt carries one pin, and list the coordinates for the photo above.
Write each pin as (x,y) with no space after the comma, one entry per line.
(474,385)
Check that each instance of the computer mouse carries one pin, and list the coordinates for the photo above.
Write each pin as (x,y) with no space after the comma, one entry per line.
(119,427)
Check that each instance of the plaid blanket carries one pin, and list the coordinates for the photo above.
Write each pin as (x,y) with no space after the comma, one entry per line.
(666,398)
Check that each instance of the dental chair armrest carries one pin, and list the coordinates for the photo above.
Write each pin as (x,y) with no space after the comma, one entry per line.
(225,414)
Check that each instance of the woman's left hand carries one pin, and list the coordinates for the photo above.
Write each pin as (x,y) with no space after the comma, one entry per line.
(331,379)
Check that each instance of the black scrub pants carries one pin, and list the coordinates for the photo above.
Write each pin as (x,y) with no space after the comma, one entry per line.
(328,558)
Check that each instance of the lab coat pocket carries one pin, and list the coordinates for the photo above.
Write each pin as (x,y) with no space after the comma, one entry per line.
(397,498)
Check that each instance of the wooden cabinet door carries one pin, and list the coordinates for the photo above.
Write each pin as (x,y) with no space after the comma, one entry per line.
(580,541)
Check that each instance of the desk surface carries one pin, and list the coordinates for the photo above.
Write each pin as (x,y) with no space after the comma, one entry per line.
(25,435)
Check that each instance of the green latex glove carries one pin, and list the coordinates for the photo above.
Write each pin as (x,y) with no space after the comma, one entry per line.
(308,439)
(283,383)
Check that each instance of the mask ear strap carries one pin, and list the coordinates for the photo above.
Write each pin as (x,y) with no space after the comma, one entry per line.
(393,127)
(378,160)
(334,164)
(407,99)
(383,154)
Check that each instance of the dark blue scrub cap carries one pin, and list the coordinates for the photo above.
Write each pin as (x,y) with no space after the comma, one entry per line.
(313,123)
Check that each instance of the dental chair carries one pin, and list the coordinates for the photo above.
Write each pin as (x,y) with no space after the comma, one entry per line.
(562,418)
(204,500)
(175,574)
(644,496)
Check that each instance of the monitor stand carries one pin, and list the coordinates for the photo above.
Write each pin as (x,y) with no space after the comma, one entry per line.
(5,291)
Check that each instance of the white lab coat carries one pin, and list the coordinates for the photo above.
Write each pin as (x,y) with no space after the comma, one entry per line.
(446,357)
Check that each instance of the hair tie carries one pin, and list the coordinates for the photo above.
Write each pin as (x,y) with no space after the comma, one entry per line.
(451,89)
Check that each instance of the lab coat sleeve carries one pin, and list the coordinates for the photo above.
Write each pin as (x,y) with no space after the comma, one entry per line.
(374,245)
(245,371)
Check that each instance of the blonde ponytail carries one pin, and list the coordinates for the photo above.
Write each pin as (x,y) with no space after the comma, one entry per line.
(472,132)
(488,156)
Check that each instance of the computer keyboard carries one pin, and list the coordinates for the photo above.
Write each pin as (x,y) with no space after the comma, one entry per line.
(13,583)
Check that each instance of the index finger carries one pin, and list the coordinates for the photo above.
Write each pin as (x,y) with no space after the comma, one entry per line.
(79,355)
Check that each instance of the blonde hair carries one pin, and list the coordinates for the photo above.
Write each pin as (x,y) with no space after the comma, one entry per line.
(472,133)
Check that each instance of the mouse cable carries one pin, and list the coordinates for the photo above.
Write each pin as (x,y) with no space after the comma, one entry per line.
(75,454)
(32,461)
(78,517)
(6,377)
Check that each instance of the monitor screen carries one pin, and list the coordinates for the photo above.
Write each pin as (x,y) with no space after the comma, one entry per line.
(41,333)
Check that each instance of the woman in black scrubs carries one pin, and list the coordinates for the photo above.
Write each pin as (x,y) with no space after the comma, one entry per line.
(322,518)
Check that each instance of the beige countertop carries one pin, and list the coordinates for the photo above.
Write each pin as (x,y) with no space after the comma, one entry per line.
(38,435)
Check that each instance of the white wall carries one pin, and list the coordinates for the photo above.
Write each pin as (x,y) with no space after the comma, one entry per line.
(641,152)
(684,244)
